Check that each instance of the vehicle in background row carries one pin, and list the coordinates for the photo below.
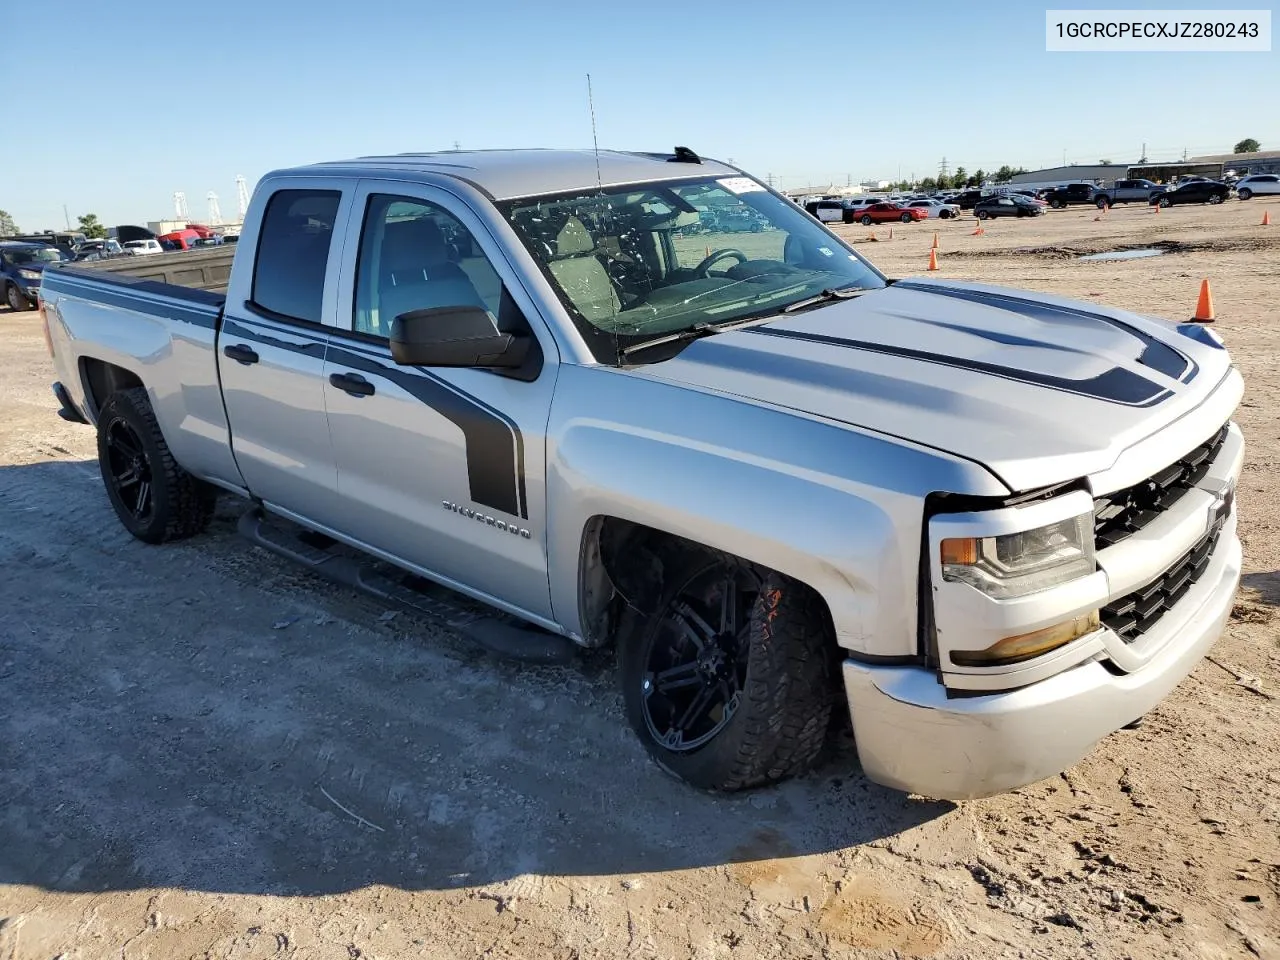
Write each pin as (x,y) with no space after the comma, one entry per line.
(936,208)
(1193,191)
(1127,191)
(887,212)
(142,248)
(1257,184)
(1070,194)
(22,265)
(966,199)
(66,241)
(826,211)
(1007,205)
(994,525)
(98,250)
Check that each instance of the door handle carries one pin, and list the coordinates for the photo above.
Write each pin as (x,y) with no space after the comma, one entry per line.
(352,383)
(240,353)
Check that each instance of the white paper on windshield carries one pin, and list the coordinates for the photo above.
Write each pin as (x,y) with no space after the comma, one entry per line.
(740,185)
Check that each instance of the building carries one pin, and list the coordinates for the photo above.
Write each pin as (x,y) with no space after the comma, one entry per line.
(1102,174)
(1243,164)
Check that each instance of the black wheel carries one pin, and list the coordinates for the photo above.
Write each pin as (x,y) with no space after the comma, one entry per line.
(905,218)
(1216,198)
(1102,203)
(944,214)
(17,302)
(1245,193)
(866,220)
(1166,202)
(154,498)
(727,678)
(981,214)
(1057,204)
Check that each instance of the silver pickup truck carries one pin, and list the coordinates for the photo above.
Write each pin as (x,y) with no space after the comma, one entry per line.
(997,526)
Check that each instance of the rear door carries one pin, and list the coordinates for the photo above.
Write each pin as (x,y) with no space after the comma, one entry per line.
(442,469)
(271,348)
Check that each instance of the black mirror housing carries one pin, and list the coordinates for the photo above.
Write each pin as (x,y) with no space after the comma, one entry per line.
(455,336)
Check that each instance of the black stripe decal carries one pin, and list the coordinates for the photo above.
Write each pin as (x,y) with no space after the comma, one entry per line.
(238,330)
(164,306)
(1157,355)
(494,443)
(1116,385)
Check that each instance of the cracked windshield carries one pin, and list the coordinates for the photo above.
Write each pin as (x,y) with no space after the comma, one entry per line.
(654,259)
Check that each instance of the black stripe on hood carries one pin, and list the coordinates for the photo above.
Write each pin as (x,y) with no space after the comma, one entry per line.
(1117,385)
(1157,355)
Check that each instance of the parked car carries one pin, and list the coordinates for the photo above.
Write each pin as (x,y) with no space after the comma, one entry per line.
(1127,191)
(826,211)
(98,250)
(1257,184)
(22,265)
(772,496)
(142,248)
(1007,205)
(1193,191)
(966,199)
(885,212)
(1072,193)
(936,208)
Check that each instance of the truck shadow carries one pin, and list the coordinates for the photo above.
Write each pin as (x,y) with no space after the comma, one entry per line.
(203,715)
(1262,587)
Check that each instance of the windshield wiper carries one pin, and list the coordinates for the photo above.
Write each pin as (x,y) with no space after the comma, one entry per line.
(831,293)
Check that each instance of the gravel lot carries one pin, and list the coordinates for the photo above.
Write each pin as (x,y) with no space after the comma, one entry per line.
(206,752)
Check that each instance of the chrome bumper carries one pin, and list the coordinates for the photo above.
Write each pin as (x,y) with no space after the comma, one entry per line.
(911,736)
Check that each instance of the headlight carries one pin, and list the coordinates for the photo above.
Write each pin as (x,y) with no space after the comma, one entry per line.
(29,274)
(1016,564)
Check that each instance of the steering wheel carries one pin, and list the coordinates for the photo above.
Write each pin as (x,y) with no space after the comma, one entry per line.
(718,255)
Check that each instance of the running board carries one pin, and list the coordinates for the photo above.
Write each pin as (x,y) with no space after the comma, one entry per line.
(512,641)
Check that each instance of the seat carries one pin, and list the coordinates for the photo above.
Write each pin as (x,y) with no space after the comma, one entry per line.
(581,274)
(415,273)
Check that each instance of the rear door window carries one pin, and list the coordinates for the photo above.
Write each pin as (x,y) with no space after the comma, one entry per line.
(293,253)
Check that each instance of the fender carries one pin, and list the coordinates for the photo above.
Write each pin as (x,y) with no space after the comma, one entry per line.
(838,509)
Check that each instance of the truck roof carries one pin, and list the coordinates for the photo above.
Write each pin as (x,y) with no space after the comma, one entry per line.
(506,174)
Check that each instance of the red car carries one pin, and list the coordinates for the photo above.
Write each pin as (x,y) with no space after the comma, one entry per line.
(885,212)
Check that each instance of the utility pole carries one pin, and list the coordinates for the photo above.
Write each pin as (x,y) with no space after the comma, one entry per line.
(66,216)
(457,145)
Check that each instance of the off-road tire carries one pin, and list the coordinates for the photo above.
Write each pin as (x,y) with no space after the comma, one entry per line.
(182,506)
(785,706)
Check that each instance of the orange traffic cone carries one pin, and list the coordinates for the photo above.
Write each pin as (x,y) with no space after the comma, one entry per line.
(873,237)
(891,233)
(1266,218)
(933,259)
(1204,307)
(708,251)
(1157,209)
(979,232)
(935,240)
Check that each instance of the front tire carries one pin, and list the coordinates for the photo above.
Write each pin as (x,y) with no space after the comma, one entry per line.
(1216,199)
(1166,202)
(1245,194)
(867,221)
(727,681)
(153,496)
(17,302)
(1057,204)
(906,218)
(981,214)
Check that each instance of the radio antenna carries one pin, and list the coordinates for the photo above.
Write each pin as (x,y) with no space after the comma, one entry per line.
(595,143)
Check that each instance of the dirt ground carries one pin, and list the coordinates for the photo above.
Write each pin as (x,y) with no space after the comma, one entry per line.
(206,752)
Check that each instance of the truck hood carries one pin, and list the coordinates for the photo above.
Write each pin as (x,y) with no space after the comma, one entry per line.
(1039,389)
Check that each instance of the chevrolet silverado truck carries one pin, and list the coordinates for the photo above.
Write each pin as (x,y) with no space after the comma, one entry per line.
(994,526)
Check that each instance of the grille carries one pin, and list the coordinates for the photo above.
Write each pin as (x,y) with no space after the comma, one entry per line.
(1134,614)
(1121,514)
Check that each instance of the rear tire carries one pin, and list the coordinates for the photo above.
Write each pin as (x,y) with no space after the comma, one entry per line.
(154,498)
(17,302)
(743,649)
(944,214)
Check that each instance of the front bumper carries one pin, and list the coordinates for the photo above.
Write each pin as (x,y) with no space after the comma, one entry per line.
(912,736)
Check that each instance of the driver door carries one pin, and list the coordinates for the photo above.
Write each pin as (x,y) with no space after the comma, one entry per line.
(443,469)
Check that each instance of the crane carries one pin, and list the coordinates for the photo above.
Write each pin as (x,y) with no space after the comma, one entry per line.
(215,214)
(242,195)
(180,207)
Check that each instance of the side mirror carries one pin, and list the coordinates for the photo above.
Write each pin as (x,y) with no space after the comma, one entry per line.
(461,336)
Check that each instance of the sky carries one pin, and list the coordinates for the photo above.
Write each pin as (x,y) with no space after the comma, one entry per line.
(123,104)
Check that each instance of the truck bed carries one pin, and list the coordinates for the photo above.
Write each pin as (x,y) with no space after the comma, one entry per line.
(205,269)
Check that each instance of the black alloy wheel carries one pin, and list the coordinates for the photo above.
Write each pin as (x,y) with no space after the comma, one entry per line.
(697,657)
(129,470)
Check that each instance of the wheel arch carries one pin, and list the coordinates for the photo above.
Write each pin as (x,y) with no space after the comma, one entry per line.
(101,379)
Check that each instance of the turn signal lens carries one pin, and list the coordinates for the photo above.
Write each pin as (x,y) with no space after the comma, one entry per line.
(1028,645)
(960,550)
